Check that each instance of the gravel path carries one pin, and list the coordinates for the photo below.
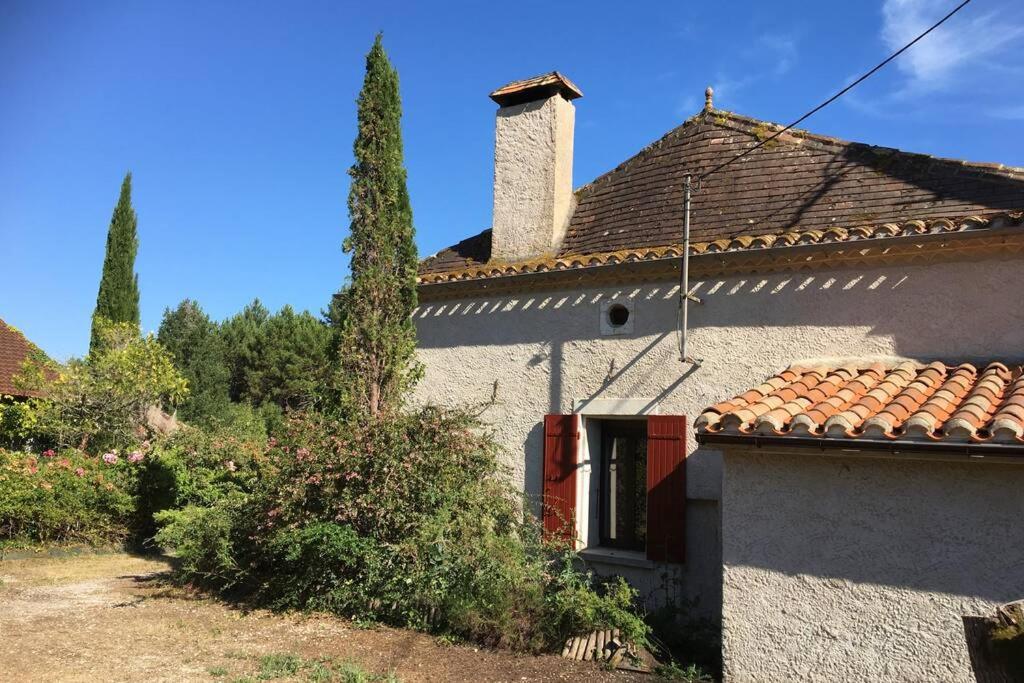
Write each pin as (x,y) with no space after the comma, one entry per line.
(113,618)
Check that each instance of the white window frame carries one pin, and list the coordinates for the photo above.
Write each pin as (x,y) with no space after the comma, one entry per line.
(588,411)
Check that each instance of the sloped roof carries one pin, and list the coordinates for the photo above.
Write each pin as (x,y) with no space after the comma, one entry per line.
(14,350)
(799,183)
(908,401)
(470,269)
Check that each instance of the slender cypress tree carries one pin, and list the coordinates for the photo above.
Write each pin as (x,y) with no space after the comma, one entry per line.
(118,298)
(376,340)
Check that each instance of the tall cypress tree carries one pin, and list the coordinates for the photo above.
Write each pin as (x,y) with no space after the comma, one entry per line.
(118,298)
(376,339)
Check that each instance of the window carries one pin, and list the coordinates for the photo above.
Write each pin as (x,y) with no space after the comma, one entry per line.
(617,482)
(623,492)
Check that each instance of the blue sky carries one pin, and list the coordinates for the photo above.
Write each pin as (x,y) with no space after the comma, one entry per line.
(237,120)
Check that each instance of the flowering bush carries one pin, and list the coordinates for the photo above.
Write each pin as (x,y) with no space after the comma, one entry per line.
(405,520)
(65,497)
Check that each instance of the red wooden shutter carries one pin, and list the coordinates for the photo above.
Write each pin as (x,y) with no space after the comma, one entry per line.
(561,435)
(666,488)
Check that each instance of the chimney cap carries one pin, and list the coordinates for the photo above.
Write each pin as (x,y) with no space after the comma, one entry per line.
(536,88)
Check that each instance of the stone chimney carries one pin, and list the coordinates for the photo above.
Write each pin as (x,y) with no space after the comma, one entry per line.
(533,199)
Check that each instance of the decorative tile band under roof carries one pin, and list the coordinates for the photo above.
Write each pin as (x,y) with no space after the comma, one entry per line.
(907,401)
(742,243)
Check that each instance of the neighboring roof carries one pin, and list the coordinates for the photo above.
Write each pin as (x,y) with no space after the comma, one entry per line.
(14,350)
(907,401)
(799,184)
(536,88)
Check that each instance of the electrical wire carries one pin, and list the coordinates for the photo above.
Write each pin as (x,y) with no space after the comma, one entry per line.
(839,94)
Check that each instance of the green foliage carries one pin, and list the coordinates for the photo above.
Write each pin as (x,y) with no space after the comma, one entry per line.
(66,497)
(405,520)
(202,538)
(118,297)
(279,665)
(19,421)
(198,350)
(271,362)
(376,339)
(289,361)
(101,401)
(200,467)
(275,359)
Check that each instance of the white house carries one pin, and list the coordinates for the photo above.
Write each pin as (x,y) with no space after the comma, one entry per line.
(841,517)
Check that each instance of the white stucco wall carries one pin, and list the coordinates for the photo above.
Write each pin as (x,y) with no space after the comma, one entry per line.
(546,352)
(845,569)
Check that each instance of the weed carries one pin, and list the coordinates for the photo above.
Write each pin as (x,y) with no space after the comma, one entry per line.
(279,665)
(689,674)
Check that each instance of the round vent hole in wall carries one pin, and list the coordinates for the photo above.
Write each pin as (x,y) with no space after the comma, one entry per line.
(618,315)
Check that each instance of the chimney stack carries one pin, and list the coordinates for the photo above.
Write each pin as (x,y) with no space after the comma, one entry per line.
(533,199)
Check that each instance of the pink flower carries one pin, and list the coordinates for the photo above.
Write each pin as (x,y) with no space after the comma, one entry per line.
(49,453)
(110,458)
(79,472)
(230,466)
(135,456)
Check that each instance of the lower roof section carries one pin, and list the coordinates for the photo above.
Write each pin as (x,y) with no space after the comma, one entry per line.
(875,403)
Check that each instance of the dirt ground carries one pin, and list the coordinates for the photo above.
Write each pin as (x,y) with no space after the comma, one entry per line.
(112,617)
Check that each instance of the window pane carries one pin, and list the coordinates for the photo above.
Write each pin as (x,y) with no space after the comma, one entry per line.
(624,487)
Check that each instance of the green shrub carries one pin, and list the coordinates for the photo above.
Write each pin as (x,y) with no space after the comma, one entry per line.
(200,467)
(202,537)
(407,521)
(66,497)
(19,422)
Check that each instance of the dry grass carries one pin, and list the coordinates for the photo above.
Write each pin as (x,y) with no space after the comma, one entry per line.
(113,618)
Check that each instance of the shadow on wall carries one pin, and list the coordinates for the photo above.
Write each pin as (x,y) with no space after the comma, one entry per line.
(931,313)
(939,527)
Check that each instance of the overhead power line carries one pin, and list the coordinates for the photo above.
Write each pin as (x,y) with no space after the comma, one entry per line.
(839,94)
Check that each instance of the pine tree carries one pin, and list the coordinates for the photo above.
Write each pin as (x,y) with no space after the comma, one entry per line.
(376,340)
(118,298)
(195,344)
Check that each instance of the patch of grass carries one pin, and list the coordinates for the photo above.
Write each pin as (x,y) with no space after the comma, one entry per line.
(217,671)
(319,672)
(279,665)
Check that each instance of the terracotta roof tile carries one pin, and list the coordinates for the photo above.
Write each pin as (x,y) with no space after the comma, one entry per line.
(14,350)
(908,400)
(467,260)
